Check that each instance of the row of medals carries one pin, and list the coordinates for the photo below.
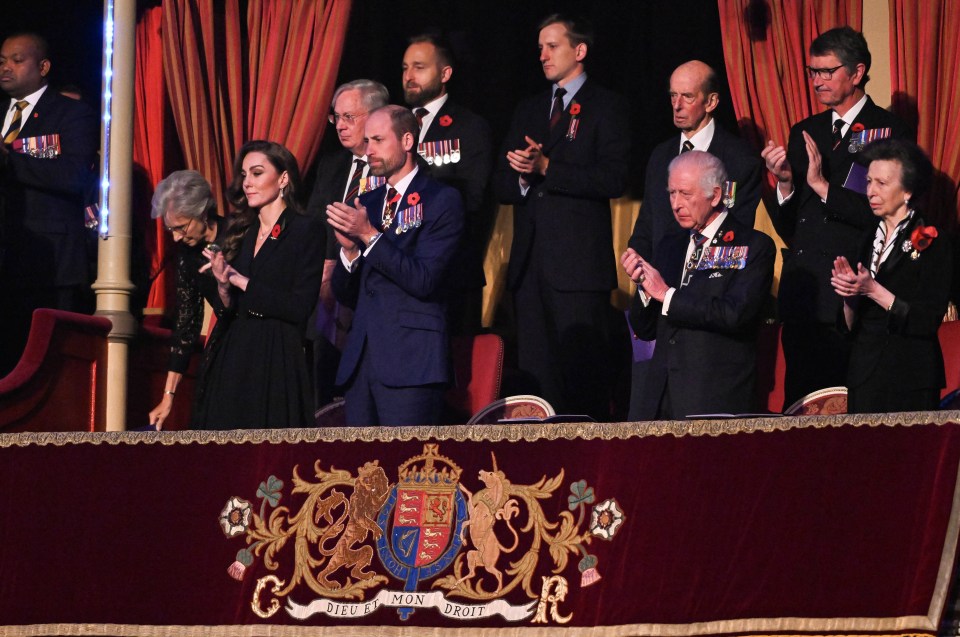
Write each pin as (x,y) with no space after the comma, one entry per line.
(444,151)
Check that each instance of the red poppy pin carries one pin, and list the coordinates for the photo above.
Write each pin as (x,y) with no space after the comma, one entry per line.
(276,231)
(575,109)
(728,237)
(920,239)
(857,127)
(413,199)
(446,120)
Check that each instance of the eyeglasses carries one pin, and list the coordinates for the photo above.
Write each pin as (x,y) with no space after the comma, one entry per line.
(333,118)
(825,74)
(181,229)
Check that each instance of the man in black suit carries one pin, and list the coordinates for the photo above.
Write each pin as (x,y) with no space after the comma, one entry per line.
(396,245)
(565,157)
(456,144)
(817,216)
(46,168)
(341,176)
(701,297)
(694,96)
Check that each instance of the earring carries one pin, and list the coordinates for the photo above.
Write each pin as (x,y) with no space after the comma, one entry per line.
(906,202)
(281,192)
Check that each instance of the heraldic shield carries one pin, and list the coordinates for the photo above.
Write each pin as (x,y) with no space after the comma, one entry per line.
(425,513)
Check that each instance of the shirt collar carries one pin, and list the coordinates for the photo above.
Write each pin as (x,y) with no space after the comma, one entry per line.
(713,226)
(571,88)
(850,116)
(31,99)
(433,107)
(702,138)
(402,185)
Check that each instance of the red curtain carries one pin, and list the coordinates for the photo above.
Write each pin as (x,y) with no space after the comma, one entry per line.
(294,54)
(227,78)
(765,46)
(924,65)
(149,140)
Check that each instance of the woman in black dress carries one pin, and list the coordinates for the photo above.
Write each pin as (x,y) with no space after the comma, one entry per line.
(894,301)
(256,376)
(186,204)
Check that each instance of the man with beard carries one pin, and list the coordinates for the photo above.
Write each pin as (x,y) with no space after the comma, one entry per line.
(456,144)
(817,216)
(341,176)
(396,244)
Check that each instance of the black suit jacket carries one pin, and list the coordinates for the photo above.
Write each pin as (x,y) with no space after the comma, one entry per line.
(566,214)
(398,290)
(43,221)
(706,346)
(818,232)
(333,170)
(899,350)
(656,217)
(471,177)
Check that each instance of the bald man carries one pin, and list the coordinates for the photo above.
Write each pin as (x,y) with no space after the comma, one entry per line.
(694,97)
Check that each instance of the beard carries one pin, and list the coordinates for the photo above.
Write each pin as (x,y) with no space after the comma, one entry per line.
(420,95)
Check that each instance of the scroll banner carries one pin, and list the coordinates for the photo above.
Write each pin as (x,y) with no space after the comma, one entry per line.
(833,525)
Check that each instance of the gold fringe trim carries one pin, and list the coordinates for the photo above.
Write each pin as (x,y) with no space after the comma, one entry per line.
(848,627)
(490,433)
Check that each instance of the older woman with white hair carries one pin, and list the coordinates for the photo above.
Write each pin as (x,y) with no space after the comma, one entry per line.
(185,202)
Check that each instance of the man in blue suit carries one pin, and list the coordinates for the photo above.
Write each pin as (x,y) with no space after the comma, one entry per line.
(396,244)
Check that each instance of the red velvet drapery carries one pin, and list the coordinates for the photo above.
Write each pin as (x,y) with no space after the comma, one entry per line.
(765,49)
(924,63)
(227,78)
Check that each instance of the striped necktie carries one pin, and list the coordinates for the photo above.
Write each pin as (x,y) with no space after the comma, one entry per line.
(16,122)
(354,188)
(556,112)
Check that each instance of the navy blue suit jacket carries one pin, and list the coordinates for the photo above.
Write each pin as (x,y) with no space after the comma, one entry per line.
(656,220)
(397,290)
(42,212)
(706,345)
(567,212)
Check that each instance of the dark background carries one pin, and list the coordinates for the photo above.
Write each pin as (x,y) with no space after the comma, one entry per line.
(638,44)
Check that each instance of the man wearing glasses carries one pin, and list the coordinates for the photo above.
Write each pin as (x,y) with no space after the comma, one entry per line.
(341,177)
(817,215)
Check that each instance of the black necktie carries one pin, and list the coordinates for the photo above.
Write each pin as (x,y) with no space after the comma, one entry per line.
(699,240)
(687,146)
(557,109)
(420,113)
(354,189)
(391,207)
(837,133)
(15,123)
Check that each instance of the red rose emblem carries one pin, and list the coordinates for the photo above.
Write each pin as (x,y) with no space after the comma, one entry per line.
(574,109)
(857,127)
(728,237)
(413,199)
(921,237)
(446,120)
(276,231)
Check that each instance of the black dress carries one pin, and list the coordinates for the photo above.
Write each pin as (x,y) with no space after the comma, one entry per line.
(895,362)
(255,375)
(193,287)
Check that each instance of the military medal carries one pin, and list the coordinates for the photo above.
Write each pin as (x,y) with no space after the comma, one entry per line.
(390,210)
(455,154)
(729,193)
(446,151)
(370,183)
(861,138)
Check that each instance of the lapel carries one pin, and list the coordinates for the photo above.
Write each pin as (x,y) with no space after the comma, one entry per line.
(436,132)
(415,190)
(271,242)
(673,251)
(896,253)
(34,124)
